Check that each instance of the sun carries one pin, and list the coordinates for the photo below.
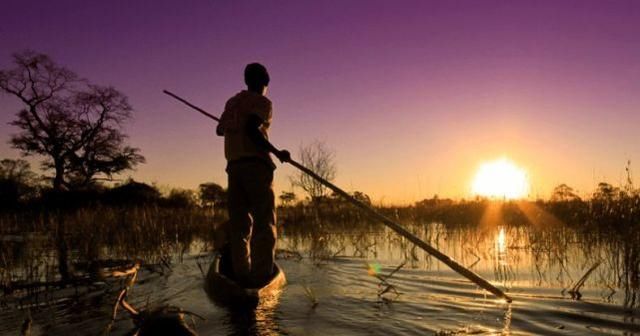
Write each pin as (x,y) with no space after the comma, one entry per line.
(501,179)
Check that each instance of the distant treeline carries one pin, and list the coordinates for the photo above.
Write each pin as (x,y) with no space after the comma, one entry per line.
(620,213)
(21,189)
(608,206)
(136,220)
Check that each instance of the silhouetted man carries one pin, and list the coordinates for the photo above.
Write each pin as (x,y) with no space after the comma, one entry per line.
(244,125)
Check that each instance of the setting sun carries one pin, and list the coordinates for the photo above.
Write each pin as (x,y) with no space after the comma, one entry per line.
(500,178)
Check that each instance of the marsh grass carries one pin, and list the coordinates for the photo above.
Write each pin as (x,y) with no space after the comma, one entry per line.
(558,240)
(96,236)
(604,229)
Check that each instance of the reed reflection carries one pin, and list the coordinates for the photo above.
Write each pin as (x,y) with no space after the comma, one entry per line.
(548,255)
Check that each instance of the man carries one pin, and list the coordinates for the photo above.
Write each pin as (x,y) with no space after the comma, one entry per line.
(244,125)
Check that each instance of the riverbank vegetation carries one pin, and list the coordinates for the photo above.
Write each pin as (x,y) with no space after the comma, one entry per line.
(133,220)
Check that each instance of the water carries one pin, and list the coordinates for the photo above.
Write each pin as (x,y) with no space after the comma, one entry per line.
(340,272)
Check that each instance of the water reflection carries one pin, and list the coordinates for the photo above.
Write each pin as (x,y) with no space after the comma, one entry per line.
(502,269)
(501,245)
(535,264)
(259,321)
(554,257)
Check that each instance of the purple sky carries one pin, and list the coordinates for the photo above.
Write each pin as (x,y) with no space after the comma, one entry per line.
(412,95)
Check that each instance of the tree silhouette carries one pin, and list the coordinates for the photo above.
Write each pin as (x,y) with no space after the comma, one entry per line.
(211,194)
(564,193)
(17,182)
(606,191)
(132,193)
(75,126)
(319,158)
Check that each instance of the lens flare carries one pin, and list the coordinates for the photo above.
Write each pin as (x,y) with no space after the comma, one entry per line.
(373,269)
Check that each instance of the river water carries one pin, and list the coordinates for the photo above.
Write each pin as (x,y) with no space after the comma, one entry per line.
(335,287)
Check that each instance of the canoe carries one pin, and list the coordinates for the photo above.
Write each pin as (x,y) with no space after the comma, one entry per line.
(224,290)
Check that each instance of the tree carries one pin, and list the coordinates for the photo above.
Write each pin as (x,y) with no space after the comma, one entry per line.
(287,198)
(17,181)
(18,170)
(319,158)
(606,191)
(564,193)
(132,193)
(75,126)
(211,194)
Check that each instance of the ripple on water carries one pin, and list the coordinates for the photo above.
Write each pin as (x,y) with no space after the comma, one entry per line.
(348,304)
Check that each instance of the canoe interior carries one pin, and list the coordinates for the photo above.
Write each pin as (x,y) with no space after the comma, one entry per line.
(221,287)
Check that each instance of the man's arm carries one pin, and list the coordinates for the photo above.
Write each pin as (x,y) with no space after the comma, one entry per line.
(223,119)
(220,129)
(253,131)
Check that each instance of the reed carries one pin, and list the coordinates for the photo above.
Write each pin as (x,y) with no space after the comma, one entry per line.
(309,294)
(31,242)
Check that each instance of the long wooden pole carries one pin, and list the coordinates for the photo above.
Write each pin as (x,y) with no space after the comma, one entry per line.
(467,273)
(207,114)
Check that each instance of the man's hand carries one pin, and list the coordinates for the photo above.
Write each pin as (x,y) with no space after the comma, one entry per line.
(283,156)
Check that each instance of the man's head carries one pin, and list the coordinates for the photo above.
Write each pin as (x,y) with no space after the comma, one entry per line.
(256,77)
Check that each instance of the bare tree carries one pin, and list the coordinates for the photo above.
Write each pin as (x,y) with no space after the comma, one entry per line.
(319,158)
(76,126)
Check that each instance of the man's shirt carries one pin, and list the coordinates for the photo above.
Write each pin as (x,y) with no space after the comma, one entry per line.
(237,143)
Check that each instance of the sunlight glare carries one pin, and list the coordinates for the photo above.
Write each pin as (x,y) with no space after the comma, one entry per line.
(500,178)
